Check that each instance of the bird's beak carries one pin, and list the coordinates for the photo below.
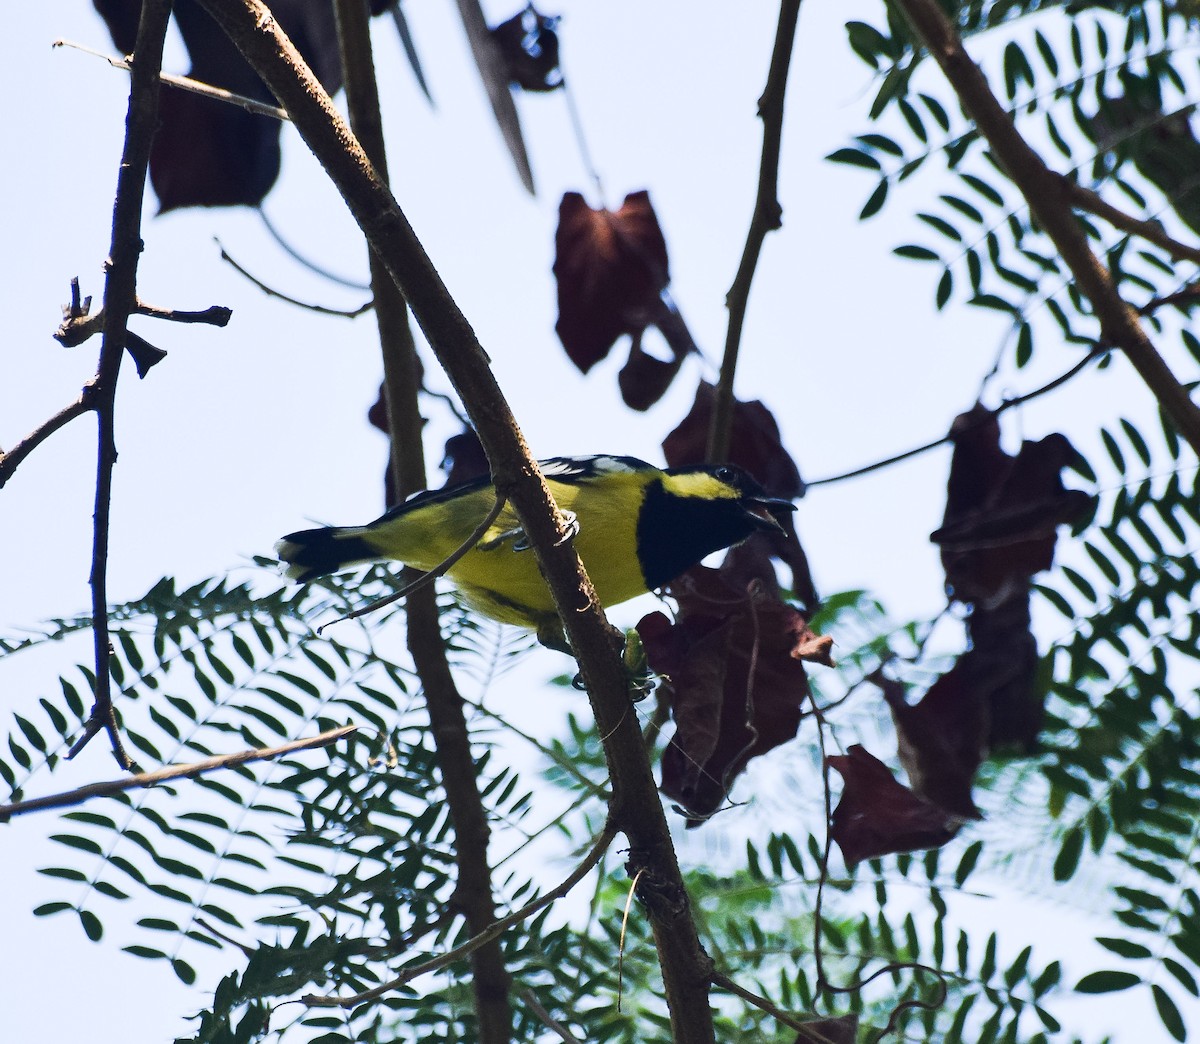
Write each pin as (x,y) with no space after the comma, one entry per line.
(765,512)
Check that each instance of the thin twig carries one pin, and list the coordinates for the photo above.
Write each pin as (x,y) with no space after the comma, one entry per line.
(352,313)
(1006,404)
(1186,295)
(215,315)
(546,1019)
(163,775)
(9,461)
(768,216)
(306,262)
(493,931)
(585,154)
(726,983)
(185,83)
(120,301)
(425,579)
(1151,231)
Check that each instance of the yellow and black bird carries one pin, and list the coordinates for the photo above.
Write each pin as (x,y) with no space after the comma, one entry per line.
(638,528)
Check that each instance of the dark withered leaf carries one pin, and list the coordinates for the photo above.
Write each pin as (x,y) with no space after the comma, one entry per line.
(644,379)
(1002,512)
(877,815)
(723,716)
(529,46)
(611,268)
(941,738)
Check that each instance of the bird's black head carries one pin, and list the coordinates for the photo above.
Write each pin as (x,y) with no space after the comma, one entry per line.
(691,512)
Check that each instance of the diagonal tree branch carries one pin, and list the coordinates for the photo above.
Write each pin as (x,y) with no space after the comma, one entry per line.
(1050,205)
(10,461)
(1151,231)
(473,894)
(635,804)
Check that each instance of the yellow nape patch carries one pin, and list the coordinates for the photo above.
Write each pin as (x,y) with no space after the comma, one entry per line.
(700,484)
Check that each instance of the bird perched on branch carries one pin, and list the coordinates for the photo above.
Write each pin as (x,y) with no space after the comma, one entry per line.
(638,527)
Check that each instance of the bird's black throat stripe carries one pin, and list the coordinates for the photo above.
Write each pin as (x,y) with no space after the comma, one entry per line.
(674,532)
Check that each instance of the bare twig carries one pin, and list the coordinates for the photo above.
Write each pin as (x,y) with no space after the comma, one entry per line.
(423,580)
(185,83)
(1050,205)
(216,315)
(726,983)
(1086,199)
(1187,295)
(170,772)
(9,461)
(120,301)
(546,1019)
(308,262)
(78,325)
(768,216)
(490,933)
(352,313)
(1006,404)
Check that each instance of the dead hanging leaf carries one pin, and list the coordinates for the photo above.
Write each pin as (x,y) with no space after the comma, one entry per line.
(611,268)
(1003,665)
(941,738)
(644,379)
(209,153)
(877,815)
(756,445)
(529,46)
(1002,512)
(737,682)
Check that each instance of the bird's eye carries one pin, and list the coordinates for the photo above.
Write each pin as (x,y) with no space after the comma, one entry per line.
(726,474)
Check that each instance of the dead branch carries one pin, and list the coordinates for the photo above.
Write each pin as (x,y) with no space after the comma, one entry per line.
(148,779)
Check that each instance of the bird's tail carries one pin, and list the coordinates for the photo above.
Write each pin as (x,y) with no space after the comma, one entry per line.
(310,553)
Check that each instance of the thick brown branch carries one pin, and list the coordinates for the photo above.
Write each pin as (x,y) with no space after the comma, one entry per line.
(768,216)
(491,932)
(163,775)
(120,301)
(635,804)
(1050,205)
(473,895)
